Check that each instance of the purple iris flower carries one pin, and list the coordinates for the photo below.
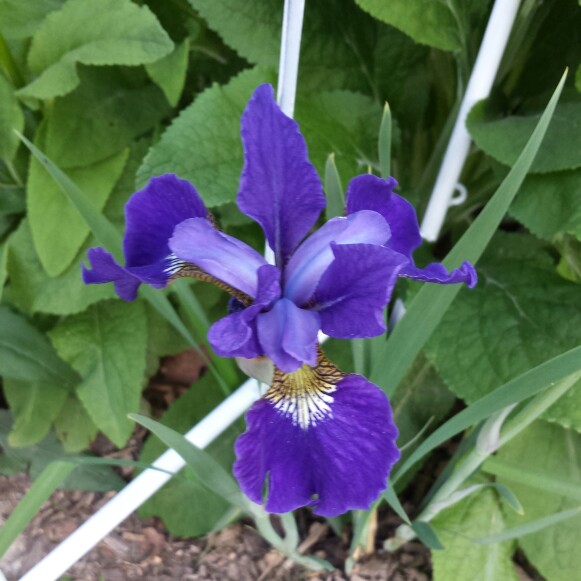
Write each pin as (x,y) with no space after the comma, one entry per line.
(320,437)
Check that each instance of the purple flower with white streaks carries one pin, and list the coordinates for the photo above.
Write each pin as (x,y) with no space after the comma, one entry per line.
(319,437)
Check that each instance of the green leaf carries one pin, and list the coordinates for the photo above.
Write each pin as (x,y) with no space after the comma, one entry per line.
(524,386)
(203,143)
(429,305)
(34,406)
(504,139)
(33,291)
(463,559)
(50,479)
(550,204)
(106,344)
(20,18)
(47,206)
(554,453)
(27,355)
(74,427)
(208,470)
(11,117)
(169,73)
(3,267)
(185,505)
(100,118)
(427,22)
(427,535)
(91,32)
(520,314)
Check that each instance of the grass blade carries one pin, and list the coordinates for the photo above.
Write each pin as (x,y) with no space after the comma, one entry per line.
(384,143)
(428,307)
(531,527)
(42,488)
(514,391)
(333,190)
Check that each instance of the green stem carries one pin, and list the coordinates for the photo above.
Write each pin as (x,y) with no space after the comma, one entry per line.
(8,65)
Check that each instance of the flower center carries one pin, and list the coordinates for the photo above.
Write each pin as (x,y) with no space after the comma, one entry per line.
(305,395)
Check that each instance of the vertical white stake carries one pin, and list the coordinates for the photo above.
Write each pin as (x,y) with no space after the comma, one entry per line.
(491,50)
(202,434)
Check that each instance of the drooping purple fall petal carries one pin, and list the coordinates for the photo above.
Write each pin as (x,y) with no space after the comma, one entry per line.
(224,257)
(437,272)
(279,186)
(337,463)
(288,335)
(236,334)
(314,255)
(355,289)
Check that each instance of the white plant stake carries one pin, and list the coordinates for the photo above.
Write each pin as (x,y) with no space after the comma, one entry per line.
(491,50)
(221,418)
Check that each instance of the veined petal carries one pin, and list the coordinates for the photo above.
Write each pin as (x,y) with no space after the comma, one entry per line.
(288,335)
(236,334)
(323,439)
(151,215)
(436,272)
(368,192)
(105,269)
(314,255)
(355,289)
(279,186)
(221,256)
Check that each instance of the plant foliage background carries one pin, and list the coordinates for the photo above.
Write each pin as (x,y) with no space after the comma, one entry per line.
(116,91)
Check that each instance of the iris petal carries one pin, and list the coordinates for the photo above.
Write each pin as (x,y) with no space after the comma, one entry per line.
(355,289)
(314,255)
(340,461)
(288,335)
(222,256)
(279,186)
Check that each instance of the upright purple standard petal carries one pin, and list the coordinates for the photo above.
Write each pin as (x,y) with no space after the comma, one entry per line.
(151,215)
(355,289)
(224,257)
(288,335)
(337,459)
(314,255)
(279,186)
(236,334)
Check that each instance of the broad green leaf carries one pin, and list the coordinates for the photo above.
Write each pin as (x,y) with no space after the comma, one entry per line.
(193,147)
(169,73)
(20,18)
(11,117)
(50,479)
(476,515)
(427,22)
(74,427)
(90,477)
(106,344)
(520,314)
(206,468)
(185,505)
(34,406)
(33,291)
(27,355)
(203,144)
(91,32)
(554,453)
(522,387)
(504,139)
(429,305)
(47,206)
(100,118)
(550,204)
(350,51)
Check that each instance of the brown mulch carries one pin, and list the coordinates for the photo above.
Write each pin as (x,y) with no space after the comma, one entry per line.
(142,549)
